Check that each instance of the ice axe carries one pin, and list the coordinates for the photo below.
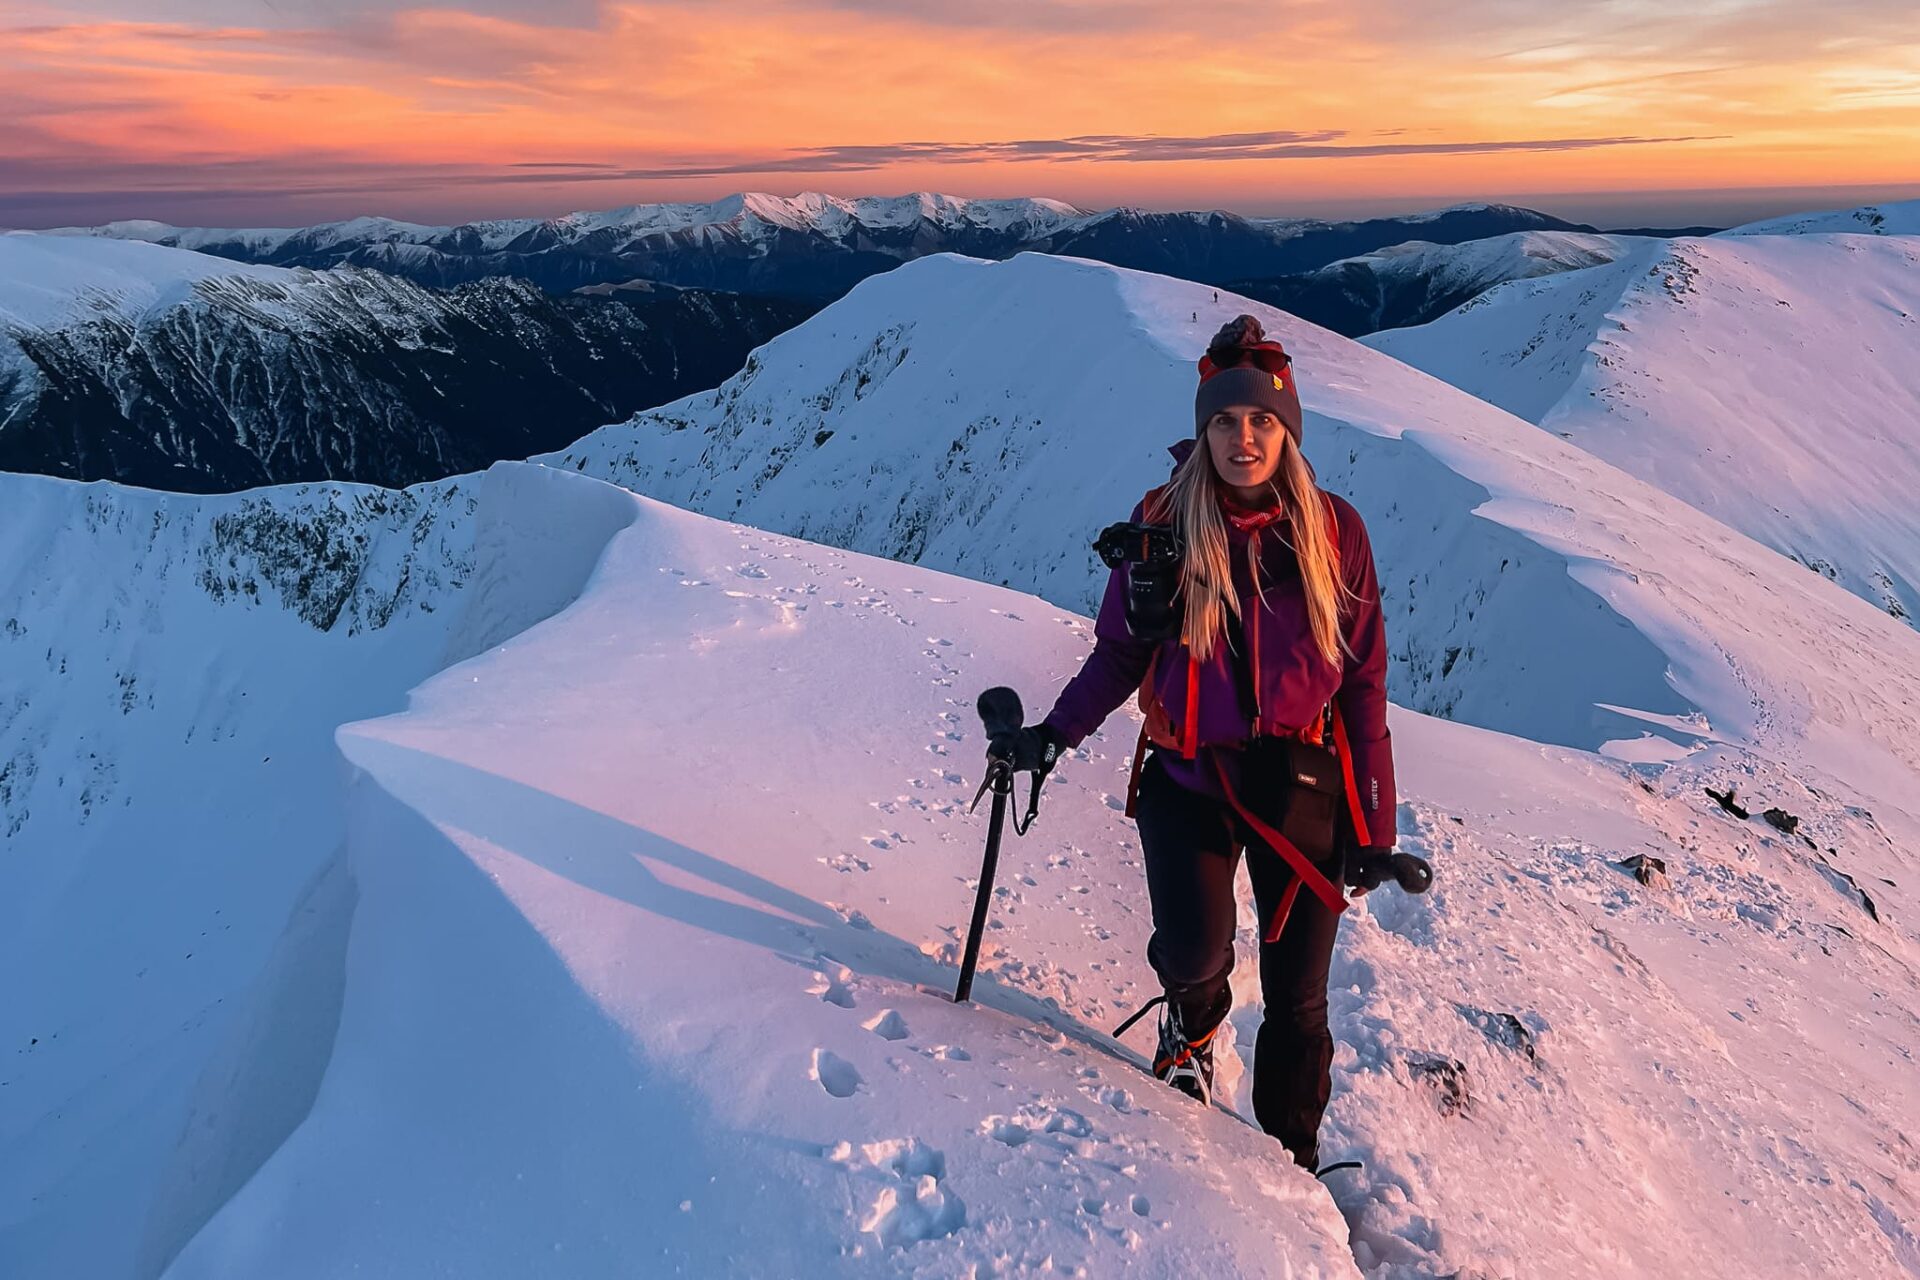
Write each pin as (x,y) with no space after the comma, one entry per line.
(1001,715)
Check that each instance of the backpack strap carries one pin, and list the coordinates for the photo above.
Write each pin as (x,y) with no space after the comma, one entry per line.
(1323,888)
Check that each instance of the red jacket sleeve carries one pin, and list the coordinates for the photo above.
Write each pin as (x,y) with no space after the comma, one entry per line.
(1111,673)
(1362,696)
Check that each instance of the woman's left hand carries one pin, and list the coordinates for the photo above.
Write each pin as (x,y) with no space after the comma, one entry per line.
(1370,866)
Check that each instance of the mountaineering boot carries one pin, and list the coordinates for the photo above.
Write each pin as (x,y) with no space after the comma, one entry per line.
(1186,1064)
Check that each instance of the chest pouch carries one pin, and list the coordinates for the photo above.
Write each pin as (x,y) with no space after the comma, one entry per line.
(1296,788)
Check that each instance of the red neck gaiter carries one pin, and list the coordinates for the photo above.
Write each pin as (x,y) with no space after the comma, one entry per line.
(1247,519)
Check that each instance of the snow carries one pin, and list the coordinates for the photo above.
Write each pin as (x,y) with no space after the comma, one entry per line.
(612,931)
(1760,378)
(1897,218)
(1481,264)
(52,280)
(745,212)
(931,414)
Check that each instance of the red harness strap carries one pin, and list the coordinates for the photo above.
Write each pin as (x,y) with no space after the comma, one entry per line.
(1133,779)
(1303,868)
(1361,830)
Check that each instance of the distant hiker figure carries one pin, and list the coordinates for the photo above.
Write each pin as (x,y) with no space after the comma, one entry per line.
(1243,609)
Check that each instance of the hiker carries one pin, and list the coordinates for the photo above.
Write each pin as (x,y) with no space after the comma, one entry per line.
(1256,649)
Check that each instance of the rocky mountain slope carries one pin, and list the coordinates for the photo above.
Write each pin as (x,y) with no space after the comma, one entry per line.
(176,370)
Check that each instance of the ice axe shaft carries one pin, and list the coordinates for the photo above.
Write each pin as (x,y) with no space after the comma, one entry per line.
(1000,778)
(1000,713)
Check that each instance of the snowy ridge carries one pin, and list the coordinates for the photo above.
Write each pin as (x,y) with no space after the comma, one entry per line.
(747,214)
(1759,378)
(1898,218)
(1417,281)
(1478,265)
(50,281)
(669,854)
(818,246)
(570,950)
(1532,585)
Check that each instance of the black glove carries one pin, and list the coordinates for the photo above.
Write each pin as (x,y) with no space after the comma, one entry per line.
(1032,748)
(1370,866)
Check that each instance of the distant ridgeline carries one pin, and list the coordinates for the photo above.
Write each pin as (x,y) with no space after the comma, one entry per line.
(389,352)
(818,246)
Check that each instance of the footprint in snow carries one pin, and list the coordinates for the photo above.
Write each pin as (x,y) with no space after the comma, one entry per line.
(888,1025)
(835,1074)
(834,990)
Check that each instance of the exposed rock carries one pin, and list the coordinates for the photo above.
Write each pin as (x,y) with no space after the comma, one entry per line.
(1727,802)
(1647,869)
(1446,1076)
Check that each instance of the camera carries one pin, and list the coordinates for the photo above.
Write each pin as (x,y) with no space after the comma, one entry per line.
(1150,555)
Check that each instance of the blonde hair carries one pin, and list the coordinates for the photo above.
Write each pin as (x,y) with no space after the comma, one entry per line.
(1191,501)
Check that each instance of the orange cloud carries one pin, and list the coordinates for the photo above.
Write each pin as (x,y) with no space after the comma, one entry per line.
(1367,98)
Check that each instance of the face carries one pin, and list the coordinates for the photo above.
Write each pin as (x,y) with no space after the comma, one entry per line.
(1246,444)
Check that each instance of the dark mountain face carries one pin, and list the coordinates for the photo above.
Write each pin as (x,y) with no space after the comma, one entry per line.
(1353,299)
(357,376)
(1220,248)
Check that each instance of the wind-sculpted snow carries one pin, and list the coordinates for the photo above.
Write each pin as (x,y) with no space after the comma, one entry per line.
(686,868)
(989,418)
(171,670)
(1761,378)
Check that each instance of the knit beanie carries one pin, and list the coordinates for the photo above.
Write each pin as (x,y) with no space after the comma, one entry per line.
(1243,367)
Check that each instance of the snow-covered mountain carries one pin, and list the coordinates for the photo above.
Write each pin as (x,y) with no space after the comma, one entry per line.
(1412,283)
(1218,247)
(819,246)
(1896,218)
(619,944)
(988,419)
(1762,378)
(177,370)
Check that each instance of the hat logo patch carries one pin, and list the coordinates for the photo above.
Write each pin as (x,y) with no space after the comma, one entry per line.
(1279,384)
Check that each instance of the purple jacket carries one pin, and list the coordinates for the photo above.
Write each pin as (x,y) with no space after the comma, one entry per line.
(1291,681)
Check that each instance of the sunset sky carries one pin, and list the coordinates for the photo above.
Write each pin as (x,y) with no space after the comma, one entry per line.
(285,112)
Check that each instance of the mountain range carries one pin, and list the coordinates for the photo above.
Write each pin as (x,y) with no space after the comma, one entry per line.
(818,246)
(177,370)
(518,874)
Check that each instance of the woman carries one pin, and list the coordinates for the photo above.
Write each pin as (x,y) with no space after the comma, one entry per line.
(1274,629)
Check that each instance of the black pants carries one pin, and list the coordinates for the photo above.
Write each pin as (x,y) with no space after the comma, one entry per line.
(1192,847)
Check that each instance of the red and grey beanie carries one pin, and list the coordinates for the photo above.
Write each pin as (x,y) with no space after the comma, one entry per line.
(1242,366)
